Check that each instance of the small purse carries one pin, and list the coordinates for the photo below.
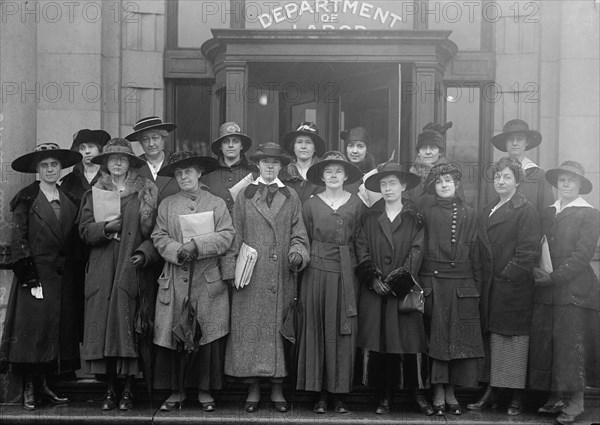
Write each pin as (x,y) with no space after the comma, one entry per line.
(414,301)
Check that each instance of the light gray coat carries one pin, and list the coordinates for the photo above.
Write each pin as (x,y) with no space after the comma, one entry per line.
(208,292)
(255,346)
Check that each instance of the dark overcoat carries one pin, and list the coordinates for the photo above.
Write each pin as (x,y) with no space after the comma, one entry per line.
(390,245)
(112,284)
(510,246)
(224,178)
(451,279)
(255,345)
(42,330)
(167,186)
(76,184)
(291,177)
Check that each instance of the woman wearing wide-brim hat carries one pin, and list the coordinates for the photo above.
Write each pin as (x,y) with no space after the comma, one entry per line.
(451,280)
(516,139)
(267,216)
(40,336)
(565,327)
(391,236)
(329,288)
(118,273)
(152,133)
(230,148)
(207,290)
(306,146)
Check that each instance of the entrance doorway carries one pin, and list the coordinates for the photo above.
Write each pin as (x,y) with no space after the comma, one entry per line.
(336,96)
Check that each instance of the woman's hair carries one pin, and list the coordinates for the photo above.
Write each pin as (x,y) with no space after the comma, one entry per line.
(512,164)
(164,133)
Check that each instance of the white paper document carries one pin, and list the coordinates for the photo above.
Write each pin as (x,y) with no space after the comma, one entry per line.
(244,266)
(241,185)
(194,225)
(107,204)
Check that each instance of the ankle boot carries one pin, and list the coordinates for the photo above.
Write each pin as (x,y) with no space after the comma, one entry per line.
(487,399)
(49,394)
(29,402)
(516,404)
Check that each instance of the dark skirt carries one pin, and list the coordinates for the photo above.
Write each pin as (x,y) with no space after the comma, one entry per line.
(326,358)
(204,369)
(389,372)
(564,348)
(461,372)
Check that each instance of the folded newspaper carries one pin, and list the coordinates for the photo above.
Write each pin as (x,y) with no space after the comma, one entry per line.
(244,266)
(194,225)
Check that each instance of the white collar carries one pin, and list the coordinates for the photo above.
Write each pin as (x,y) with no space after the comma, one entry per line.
(528,163)
(153,170)
(261,180)
(578,202)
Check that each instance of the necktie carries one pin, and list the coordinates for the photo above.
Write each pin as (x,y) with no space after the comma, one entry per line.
(267,192)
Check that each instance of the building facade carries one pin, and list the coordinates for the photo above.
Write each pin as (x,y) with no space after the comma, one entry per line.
(389,65)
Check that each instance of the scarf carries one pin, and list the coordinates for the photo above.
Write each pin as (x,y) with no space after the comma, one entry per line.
(147,194)
(422,169)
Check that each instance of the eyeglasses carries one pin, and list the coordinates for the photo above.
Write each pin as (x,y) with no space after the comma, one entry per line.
(155,138)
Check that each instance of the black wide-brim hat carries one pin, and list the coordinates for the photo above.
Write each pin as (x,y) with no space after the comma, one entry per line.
(188,159)
(28,162)
(534,138)
(571,167)
(270,150)
(97,137)
(392,169)
(304,129)
(230,129)
(315,172)
(121,147)
(149,123)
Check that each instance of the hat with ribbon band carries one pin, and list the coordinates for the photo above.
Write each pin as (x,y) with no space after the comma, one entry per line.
(315,172)
(230,129)
(187,159)
(392,169)
(534,138)
(121,147)
(149,123)
(573,168)
(305,128)
(270,150)
(97,137)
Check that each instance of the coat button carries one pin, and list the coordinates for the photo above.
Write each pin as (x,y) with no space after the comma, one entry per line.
(192,208)
(193,198)
(229,179)
(184,268)
(452,265)
(185,279)
(274,257)
(387,260)
(435,273)
(272,288)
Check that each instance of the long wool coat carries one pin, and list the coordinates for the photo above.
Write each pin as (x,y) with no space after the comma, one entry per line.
(112,284)
(390,245)
(208,292)
(565,328)
(42,330)
(255,345)
(510,246)
(451,279)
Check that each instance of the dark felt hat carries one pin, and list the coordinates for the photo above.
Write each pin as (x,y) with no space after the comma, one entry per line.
(534,138)
(230,129)
(304,129)
(270,150)
(389,169)
(149,123)
(433,135)
(187,159)
(571,167)
(438,170)
(315,172)
(356,134)
(28,162)
(119,146)
(97,137)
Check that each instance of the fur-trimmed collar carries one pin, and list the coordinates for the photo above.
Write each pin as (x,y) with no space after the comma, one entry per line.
(29,193)
(422,169)
(146,191)
(408,207)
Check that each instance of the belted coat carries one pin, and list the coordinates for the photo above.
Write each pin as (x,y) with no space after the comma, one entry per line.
(255,345)
(208,291)
(510,246)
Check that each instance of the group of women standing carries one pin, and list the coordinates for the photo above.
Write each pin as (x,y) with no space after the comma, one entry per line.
(491,312)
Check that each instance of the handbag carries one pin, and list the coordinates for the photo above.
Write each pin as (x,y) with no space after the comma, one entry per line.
(414,301)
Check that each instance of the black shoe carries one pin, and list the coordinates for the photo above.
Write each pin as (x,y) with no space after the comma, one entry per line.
(384,406)
(488,398)
(251,406)
(453,408)
(339,406)
(424,405)
(126,402)
(516,405)
(280,406)
(169,406)
(29,402)
(320,406)
(45,391)
(439,410)
(110,400)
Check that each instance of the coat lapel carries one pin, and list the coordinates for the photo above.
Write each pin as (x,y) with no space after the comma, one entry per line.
(386,227)
(68,214)
(263,209)
(564,214)
(45,212)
